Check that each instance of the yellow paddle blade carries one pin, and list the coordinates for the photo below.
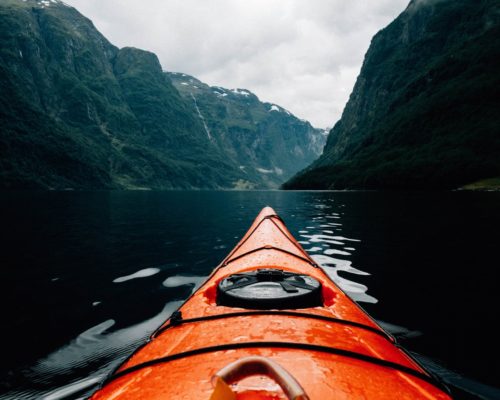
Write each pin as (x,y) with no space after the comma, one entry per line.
(222,391)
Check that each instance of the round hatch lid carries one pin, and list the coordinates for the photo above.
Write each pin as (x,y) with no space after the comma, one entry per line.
(269,288)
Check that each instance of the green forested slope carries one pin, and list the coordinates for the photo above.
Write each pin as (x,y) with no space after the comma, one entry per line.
(424,110)
(267,142)
(77,112)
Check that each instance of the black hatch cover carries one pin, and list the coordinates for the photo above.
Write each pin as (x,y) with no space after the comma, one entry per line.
(269,289)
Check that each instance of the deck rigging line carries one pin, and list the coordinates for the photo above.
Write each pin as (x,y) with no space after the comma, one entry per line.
(176,320)
(281,345)
(307,259)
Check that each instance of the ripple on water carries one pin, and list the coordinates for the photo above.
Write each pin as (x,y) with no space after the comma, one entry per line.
(313,239)
(334,251)
(330,244)
(340,265)
(176,281)
(332,266)
(75,387)
(313,249)
(143,273)
(323,237)
(95,346)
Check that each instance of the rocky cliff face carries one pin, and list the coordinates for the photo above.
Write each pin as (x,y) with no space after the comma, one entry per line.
(268,143)
(77,112)
(422,112)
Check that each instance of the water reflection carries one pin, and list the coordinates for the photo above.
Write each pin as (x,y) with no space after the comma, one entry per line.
(62,251)
(177,281)
(143,273)
(327,234)
(97,346)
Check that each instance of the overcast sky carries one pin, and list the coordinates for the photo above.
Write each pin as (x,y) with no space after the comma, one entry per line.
(303,55)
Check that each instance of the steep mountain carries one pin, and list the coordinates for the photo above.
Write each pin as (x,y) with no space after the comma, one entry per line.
(424,109)
(267,142)
(77,112)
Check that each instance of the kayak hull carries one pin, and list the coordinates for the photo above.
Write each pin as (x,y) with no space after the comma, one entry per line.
(335,350)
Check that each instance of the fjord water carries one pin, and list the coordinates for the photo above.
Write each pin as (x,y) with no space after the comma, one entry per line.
(87,276)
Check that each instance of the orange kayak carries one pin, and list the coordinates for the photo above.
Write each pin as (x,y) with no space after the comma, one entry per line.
(269,323)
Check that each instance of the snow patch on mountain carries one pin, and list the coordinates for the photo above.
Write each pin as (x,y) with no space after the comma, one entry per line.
(219,91)
(241,92)
(275,170)
(276,108)
(47,3)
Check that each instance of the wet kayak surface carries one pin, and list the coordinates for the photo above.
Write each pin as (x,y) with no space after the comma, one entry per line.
(86,276)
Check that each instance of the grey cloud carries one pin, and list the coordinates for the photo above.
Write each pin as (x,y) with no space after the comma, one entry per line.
(301,54)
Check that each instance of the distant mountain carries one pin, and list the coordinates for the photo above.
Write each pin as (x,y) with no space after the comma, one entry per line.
(268,143)
(424,112)
(77,112)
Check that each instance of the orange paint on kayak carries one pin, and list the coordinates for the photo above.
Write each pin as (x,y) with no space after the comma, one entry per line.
(333,350)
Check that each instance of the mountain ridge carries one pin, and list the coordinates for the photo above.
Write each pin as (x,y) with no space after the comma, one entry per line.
(422,112)
(78,112)
(267,141)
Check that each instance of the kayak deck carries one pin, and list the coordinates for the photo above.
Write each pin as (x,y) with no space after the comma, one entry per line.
(334,349)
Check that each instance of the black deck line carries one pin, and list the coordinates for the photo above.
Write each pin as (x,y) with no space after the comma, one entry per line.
(282,345)
(270,248)
(271,217)
(180,321)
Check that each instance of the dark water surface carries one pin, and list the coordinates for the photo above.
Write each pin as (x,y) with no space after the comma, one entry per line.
(86,277)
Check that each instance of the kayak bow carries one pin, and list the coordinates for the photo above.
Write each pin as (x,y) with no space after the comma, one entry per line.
(269,323)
